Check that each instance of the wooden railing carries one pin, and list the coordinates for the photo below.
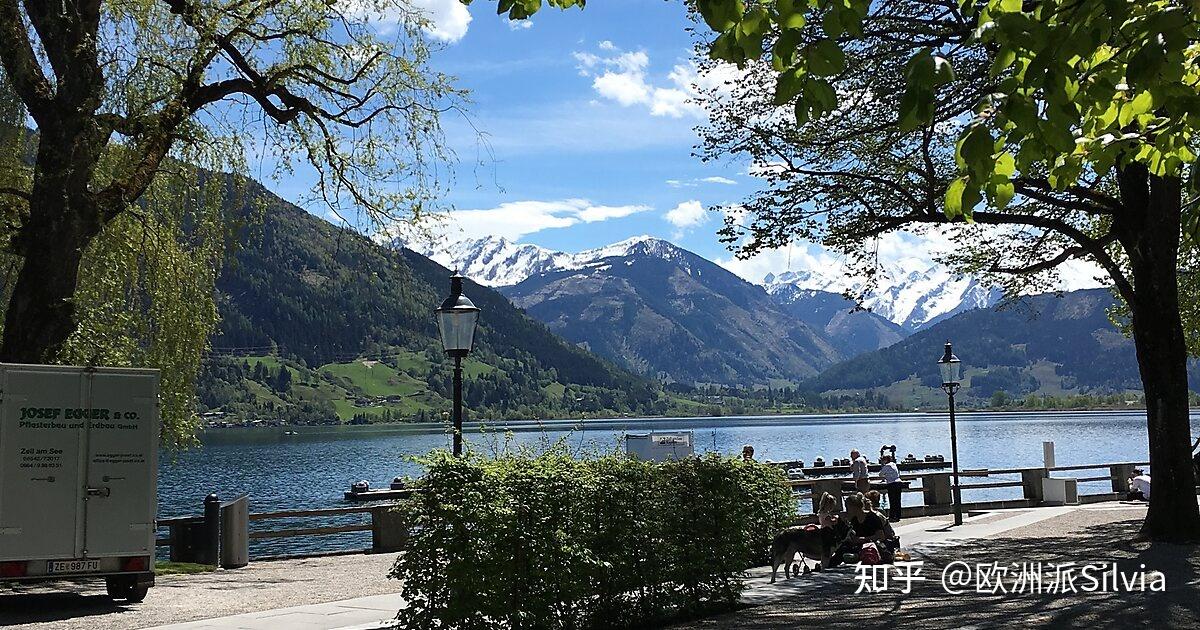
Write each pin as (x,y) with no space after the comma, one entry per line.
(937,487)
(191,538)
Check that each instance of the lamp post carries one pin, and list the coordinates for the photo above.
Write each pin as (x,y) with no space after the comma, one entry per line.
(457,318)
(951,369)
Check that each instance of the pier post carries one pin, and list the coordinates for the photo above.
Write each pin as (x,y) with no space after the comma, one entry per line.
(211,554)
(1120,476)
(388,530)
(1031,484)
(936,488)
(832,486)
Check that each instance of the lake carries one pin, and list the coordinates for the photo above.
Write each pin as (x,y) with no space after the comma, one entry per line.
(313,468)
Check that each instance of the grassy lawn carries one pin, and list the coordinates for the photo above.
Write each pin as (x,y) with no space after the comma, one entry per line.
(271,363)
(163,567)
(373,378)
(554,390)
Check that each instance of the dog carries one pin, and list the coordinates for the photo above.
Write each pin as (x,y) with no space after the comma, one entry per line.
(810,542)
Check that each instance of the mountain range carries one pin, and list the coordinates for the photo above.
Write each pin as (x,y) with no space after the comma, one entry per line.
(910,295)
(1046,344)
(667,313)
(610,300)
(321,322)
(660,310)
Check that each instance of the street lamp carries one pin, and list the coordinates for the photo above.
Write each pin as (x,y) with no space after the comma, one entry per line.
(457,318)
(951,369)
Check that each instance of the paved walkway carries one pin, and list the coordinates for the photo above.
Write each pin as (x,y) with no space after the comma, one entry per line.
(320,592)
(1096,535)
(1056,534)
(358,613)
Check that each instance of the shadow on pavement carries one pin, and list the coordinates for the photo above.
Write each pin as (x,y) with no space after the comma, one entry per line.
(834,604)
(40,604)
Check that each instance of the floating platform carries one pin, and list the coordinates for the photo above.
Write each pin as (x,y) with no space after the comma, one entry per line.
(381,494)
(819,471)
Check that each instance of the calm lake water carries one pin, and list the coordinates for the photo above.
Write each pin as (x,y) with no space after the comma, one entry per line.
(313,468)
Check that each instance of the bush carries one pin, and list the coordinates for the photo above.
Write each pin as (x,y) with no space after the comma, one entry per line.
(551,541)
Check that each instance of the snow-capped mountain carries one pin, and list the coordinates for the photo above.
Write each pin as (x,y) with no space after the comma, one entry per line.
(915,297)
(496,261)
(910,294)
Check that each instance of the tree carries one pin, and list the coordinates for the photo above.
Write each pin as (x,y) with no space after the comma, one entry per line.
(1032,133)
(121,91)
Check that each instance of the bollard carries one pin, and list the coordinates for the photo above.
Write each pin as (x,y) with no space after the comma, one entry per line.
(1120,477)
(235,536)
(832,486)
(1031,484)
(936,488)
(212,524)
(388,529)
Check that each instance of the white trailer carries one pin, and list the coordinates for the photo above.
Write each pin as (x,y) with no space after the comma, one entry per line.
(78,475)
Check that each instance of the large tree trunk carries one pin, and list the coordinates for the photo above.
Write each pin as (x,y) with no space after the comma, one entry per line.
(63,219)
(1148,230)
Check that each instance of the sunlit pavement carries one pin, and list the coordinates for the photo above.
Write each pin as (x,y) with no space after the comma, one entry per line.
(361,612)
(996,550)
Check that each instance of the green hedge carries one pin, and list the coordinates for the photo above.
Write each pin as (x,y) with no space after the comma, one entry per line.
(552,541)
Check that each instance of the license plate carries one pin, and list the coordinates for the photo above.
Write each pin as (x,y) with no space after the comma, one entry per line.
(72,566)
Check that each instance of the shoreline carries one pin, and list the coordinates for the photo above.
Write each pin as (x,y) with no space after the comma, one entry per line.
(669,422)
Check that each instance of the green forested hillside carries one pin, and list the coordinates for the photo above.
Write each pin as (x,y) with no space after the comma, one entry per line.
(1056,345)
(319,322)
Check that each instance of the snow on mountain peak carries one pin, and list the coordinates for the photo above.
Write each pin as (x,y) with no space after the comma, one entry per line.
(911,295)
(497,261)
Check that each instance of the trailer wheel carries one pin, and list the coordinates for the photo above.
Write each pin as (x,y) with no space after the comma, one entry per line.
(118,587)
(137,593)
(126,588)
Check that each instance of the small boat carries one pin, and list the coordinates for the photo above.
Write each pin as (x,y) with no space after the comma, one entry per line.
(290,433)
(361,491)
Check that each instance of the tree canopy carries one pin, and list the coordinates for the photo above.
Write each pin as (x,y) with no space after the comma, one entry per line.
(120,121)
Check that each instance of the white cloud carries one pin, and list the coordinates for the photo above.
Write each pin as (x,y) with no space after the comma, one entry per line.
(519,25)
(515,219)
(689,183)
(765,170)
(797,257)
(623,77)
(592,214)
(448,19)
(626,88)
(686,214)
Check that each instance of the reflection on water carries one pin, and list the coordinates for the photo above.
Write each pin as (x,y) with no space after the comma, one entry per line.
(311,469)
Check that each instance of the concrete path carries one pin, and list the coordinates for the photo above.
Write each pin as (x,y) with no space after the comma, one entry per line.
(361,612)
(920,537)
(1100,535)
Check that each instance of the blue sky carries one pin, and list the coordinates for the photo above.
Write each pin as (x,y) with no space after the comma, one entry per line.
(588,135)
(580,106)
(586,117)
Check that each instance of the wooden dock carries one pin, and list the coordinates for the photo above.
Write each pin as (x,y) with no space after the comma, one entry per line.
(818,471)
(380,494)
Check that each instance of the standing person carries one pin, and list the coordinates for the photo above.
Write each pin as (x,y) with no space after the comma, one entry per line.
(889,472)
(747,453)
(858,470)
